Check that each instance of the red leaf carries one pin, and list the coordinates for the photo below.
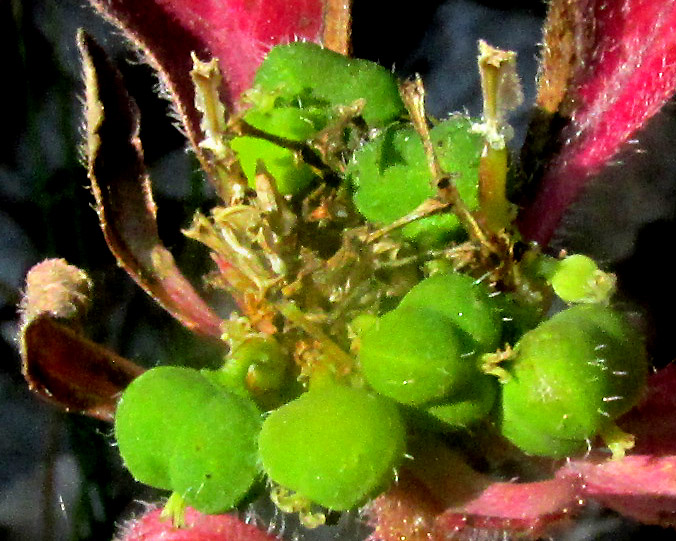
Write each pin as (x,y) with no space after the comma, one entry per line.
(199,527)
(623,72)
(470,503)
(441,497)
(530,509)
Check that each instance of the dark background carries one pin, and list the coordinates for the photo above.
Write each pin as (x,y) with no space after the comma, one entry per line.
(60,477)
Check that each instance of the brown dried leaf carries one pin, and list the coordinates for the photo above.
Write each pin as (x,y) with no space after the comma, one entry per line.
(71,371)
(567,39)
(123,195)
(406,511)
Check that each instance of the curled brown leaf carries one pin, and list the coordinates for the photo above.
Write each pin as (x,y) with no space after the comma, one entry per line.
(124,201)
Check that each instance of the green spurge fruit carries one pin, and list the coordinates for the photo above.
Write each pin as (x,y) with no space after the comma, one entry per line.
(291,174)
(150,415)
(297,92)
(468,403)
(391,176)
(257,369)
(177,431)
(296,121)
(414,355)
(334,445)
(424,352)
(305,75)
(215,457)
(463,300)
(571,376)
(517,317)
(577,278)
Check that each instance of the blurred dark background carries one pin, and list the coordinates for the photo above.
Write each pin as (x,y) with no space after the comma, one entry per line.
(60,477)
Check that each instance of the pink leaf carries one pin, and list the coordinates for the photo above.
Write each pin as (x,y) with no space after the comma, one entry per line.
(531,509)
(199,527)
(420,510)
(623,73)
(638,486)
(442,497)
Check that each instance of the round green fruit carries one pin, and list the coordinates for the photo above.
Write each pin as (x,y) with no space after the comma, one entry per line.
(414,355)
(516,316)
(291,174)
(392,178)
(295,123)
(571,376)
(308,75)
(467,404)
(462,300)
(578,279)
(215,456)
(334,445)
(151,413)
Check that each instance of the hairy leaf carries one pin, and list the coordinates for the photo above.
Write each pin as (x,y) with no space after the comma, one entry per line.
(607,68)
(123,195)
(199,527)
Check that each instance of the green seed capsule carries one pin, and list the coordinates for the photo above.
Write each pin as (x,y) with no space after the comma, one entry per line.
(334,445)
(150,415)
(391,176)
(295,123)
(577,278)
(312,76)
(215,456)
(414,355)
(257,369)
(298,91)
(464,301)
(571,376)
(467,404)
(177,431)
(517,317)
(291,175)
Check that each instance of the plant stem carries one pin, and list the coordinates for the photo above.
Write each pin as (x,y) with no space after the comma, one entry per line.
(413,94)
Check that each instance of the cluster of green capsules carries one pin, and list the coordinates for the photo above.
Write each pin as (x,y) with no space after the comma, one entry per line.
(452,352)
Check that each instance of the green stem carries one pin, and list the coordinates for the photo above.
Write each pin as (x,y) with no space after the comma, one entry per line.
(496,210)
(501,91)
(174,509)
